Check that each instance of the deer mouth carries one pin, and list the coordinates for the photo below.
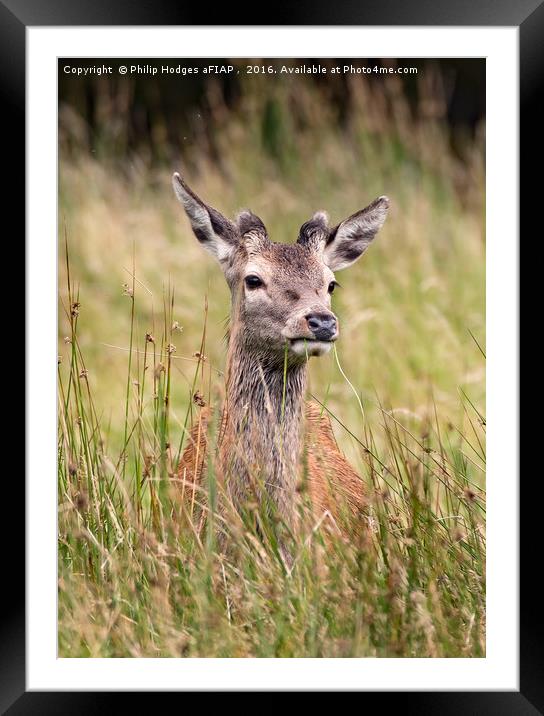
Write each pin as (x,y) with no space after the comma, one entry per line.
(310,346)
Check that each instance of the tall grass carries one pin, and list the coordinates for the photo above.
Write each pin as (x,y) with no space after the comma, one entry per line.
(141,318)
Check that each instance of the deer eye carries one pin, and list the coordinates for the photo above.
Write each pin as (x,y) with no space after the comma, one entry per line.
(253,281)
(332,286)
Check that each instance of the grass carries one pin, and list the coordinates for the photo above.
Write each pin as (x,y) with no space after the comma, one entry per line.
(141,320)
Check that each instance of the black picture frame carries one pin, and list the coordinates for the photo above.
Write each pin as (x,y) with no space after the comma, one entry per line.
(15,16)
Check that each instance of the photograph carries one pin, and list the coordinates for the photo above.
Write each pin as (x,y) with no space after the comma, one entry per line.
(271,431)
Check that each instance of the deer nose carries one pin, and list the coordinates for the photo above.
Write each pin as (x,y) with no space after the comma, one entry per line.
(322,325)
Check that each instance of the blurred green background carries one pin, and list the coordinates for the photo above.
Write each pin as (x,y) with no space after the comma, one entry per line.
(411,312)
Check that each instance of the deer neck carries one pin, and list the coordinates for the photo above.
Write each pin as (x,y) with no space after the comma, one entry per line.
(263,426)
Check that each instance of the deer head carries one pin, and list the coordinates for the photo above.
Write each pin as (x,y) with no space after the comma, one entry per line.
(281,293)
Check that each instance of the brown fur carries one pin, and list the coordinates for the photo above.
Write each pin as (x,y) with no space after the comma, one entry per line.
(330,481)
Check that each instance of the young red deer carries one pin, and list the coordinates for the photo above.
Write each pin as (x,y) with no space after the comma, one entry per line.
(280,316)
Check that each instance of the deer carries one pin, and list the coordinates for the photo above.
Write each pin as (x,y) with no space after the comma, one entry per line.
(269,434)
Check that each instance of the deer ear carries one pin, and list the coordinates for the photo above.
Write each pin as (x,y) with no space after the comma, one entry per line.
(216,233)
(350,239)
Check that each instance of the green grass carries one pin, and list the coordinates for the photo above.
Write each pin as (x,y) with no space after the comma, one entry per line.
(405,392)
